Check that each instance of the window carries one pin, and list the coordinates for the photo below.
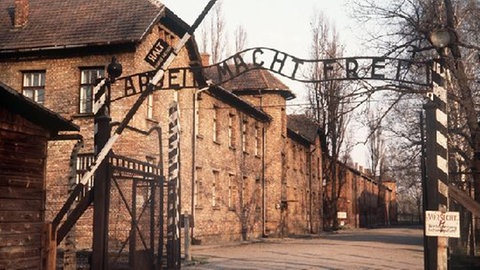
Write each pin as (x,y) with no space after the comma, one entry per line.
(88,77)
(34,86)
(257,141)
(197,189)
(84,161)
(231,130)
(231,192)
(215,124)
(150,106)
(214,188)
(244,191)
(244,135)
(195,193)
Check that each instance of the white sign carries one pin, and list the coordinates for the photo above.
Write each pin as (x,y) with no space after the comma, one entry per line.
(341,215)
(445,224)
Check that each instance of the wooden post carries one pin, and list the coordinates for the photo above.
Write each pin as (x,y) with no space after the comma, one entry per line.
(436,252)
(50,245)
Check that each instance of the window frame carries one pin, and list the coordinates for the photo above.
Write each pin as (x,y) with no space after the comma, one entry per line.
(244,135)
(150,107)
(232,189)
(215,129)
(36,89)
(231,130)
(86,88)
(257,146)
(215,182)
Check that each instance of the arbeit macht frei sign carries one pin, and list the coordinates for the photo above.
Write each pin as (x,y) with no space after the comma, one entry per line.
(400,71)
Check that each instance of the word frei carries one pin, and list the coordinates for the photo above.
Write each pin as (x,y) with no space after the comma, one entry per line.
(400,71)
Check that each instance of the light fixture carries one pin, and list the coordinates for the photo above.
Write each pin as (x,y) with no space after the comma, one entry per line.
(440,38)
(114,69)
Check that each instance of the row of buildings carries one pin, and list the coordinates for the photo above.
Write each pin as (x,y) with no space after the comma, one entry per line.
(247,169)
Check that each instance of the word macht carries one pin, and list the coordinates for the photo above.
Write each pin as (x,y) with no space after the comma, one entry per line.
(322,70)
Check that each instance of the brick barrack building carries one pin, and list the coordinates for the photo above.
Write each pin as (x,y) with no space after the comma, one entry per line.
(247,169)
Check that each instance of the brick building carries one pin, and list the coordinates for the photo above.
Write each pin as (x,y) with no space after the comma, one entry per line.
(234,139)
(246,169)
(362,199)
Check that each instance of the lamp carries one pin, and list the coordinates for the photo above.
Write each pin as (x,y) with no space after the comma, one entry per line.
(114,69)
(440,38)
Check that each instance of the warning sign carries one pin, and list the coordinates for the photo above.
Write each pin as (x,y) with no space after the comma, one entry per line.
(159,53)
(446,224)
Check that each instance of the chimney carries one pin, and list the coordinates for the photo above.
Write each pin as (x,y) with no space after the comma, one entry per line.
(205,59)
(22,8)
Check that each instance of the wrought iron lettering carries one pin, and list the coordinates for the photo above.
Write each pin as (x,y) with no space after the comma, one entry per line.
(401,71)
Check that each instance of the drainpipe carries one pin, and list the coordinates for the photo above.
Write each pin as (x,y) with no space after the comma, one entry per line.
(264,211)
(264,203)
(194,154)
(310,180)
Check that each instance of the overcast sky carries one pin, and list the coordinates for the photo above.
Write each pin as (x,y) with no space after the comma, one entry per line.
(283,25)
(280,24)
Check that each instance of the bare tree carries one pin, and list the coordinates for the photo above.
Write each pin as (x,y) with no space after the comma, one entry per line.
(216,33)
(213,39)
(240,38)
(406,28)
(329,107)
(376,146)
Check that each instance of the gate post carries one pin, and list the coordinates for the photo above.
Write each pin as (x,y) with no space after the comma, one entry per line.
(173,212)
(436,251)
(101,188)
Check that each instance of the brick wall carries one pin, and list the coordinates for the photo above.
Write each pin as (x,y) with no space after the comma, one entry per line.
(365,201)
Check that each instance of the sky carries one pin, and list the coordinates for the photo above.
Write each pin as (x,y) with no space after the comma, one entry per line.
(283,25)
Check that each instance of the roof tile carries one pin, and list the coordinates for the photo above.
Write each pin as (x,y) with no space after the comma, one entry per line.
(303,126)
(59,23)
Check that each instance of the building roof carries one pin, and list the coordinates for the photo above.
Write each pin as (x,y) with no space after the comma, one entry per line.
(241,104)
(32,111)
(303,126)
(254,81)
(77,23)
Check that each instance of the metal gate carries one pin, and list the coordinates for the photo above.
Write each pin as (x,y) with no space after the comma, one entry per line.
(136,213)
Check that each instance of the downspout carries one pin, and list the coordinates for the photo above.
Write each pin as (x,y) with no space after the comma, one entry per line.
(194,155)
(264,211)
(310,172)
(194,159)
(264,204)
